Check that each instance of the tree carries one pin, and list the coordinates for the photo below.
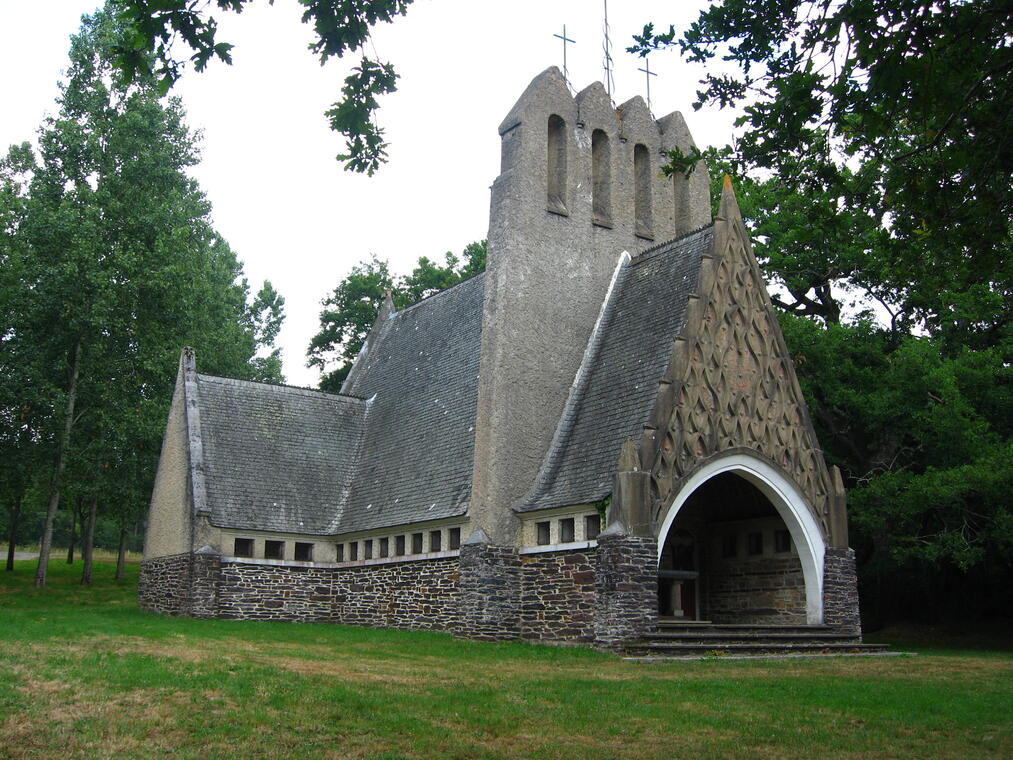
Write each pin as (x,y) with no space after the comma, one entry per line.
(146,48)
(352,308)
(894,111)
(111,265)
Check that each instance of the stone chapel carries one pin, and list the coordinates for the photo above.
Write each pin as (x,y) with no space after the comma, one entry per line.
(599,439)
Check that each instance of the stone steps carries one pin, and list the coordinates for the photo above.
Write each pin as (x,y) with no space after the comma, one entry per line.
(682,639)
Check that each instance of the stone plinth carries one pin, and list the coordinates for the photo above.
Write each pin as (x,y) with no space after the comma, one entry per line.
(626,585)
(840,591)
(489,592)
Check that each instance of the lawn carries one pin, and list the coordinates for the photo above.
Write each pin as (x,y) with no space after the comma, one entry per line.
(86,674)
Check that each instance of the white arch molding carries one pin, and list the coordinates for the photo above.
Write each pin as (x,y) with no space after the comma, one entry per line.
(788,502)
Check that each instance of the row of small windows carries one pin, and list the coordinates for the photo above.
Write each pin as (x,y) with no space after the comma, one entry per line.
(566,530)
(302,551)
(730,543)
(380,548)
(601,178)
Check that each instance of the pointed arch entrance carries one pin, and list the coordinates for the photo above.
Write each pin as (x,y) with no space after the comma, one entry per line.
(738,542)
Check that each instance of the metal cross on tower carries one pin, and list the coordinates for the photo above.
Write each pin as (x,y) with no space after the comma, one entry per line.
(565,39)
(648,74)
(607,47)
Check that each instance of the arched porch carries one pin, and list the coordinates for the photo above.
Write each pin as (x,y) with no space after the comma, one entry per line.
(739,544)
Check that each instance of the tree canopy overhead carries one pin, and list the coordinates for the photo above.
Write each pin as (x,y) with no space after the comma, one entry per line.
(157,30)
(895,112)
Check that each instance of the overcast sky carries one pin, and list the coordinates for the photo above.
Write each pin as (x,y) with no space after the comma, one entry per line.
(285,205)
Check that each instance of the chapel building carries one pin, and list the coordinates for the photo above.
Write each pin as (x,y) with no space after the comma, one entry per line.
(599,438)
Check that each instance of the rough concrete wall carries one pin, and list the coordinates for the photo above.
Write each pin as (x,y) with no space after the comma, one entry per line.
(558,596)
(757,591)
(547,276)
(168,531)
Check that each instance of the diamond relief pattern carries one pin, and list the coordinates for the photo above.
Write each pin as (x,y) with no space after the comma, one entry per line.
(738,389)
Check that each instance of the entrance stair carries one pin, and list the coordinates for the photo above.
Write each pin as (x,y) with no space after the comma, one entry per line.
(682,639)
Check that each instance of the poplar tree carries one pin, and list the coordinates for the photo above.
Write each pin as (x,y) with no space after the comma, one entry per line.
(111,266)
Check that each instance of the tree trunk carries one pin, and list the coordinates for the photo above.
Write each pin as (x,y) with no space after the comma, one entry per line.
(12,531)
(88,543)
(58,468)
(74,520)
(121,554)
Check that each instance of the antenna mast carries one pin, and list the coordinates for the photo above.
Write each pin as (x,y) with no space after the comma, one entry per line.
(610,83)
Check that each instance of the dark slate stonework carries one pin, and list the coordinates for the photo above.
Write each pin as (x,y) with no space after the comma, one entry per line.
(490,591)
(205,575)
(164,585)
(626,585)
(557,596)
(767,590)
(840,591)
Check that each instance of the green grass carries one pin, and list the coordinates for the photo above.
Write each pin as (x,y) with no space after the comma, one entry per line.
(83,673)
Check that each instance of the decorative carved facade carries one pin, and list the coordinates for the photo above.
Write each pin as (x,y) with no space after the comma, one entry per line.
(731,383)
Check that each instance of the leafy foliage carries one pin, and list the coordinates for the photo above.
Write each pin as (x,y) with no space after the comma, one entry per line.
(351,309)
(110,266)
(341,27)
(892,112)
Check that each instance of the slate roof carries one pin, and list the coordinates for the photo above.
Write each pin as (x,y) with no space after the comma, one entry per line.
(420,375)
(397,446)
(277,458)
(627,357)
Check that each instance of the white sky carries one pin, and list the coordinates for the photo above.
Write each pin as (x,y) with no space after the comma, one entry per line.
(288,209)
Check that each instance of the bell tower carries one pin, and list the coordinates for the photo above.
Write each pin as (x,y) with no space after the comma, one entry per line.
(580,183)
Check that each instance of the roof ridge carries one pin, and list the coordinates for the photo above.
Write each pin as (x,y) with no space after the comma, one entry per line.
(439,293)
(284,387)
(650,252)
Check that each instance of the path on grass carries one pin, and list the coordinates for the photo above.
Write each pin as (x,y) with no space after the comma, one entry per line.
(26,555)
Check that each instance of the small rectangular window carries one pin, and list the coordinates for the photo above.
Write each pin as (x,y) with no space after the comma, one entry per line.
(754,542)
(399,546)
(566,530)
(782,541)
(416,543)
(542,529)
(303,552)
(244,547)
(339,554)
(353,550)
(367,549)
(384,547)
(435,541)
(592,527)
(454,538)
(274,550)
(730,545)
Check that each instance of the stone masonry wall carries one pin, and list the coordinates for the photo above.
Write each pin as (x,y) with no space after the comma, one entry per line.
(557,596)
(840,591)
(760,591)
(412,595)
(626,588)
(164,585)
(489,592)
